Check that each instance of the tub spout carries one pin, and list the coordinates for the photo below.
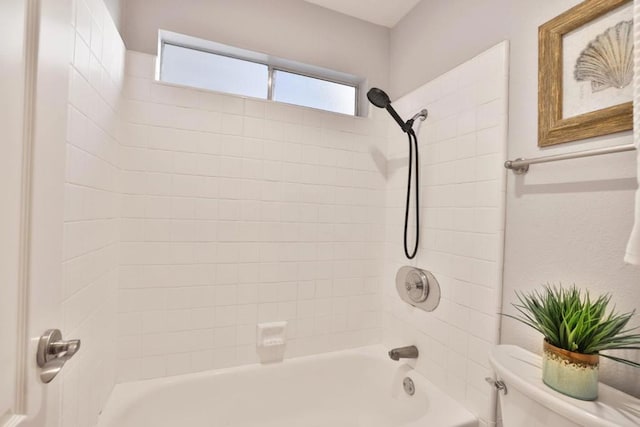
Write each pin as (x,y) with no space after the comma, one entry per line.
(409,352)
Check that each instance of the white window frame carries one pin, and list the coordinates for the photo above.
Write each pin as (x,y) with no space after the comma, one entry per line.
(273,64)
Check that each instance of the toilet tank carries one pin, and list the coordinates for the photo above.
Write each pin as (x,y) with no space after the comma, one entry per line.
(528,402)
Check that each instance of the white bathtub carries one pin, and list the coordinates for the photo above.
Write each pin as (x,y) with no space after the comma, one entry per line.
(353,388)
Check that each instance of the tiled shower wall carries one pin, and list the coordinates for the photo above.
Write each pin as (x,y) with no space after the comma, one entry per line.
(234,211)
(462,184)
(238,211)
(90,259)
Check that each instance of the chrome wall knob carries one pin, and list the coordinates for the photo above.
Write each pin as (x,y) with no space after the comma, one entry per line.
(418,287)
(53,352)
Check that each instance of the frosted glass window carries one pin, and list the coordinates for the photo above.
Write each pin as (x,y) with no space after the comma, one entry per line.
(203,64)
(312,92)
(192,67)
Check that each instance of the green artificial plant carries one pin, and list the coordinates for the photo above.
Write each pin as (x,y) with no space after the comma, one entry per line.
(570,320)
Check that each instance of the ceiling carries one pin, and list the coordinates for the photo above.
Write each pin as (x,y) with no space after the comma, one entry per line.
(382,12)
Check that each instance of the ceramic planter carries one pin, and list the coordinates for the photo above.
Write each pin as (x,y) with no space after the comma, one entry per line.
(573,374)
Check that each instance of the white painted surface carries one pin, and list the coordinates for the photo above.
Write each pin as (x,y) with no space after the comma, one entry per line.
(438,35)
(237,211)
(462,192)
(47,203)
(345,389)
(528,402)
(566,221)
(35,172)
(381,12)
(91,211)
(12,63)
(291,29)
(115,9)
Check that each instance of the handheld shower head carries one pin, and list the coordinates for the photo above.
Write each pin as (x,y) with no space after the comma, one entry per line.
(381,100)
(378,97)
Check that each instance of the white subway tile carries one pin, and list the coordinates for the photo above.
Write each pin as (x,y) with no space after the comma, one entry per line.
(129,347)
(153,367)
(231,124)
(137,88)
(222,103)
(224,337)
(140,65)
(96,37)
(81,56)
(167,94)
(178,364)
(490,114)
(254,108)
(226,315)
(83,21)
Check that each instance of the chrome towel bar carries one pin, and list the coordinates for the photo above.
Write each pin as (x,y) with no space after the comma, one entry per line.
(521,166)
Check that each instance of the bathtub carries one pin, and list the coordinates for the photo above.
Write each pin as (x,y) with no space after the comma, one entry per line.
(352,388)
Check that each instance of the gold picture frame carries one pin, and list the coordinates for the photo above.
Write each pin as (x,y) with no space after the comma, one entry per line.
(553,128)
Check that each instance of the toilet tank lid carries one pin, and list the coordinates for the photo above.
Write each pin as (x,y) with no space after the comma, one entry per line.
(522,370)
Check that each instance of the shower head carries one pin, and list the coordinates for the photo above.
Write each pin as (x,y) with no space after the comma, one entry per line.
(381,100)
(378,97)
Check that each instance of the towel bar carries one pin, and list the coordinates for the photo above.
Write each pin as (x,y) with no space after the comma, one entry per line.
(520,166)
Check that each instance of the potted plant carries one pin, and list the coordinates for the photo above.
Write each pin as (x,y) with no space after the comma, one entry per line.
(576,330)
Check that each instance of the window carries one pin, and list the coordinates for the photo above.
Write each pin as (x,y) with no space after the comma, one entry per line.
(192,67)
(198,63)
(313,92)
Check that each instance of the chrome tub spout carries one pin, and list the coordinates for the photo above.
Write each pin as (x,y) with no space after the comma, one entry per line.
(409,352)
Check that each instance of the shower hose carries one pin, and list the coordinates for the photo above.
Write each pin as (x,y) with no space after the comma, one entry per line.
(413,142)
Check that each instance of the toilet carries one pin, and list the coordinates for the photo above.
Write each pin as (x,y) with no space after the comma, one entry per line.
(525,401)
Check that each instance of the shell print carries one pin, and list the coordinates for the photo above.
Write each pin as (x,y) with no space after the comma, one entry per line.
(607,61)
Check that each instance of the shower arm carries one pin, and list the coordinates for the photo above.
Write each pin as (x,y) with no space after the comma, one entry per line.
(422,115)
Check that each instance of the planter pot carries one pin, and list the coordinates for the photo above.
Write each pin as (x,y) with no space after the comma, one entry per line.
(573,374)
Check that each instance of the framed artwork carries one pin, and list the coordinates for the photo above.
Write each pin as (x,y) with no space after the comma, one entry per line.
(585,72)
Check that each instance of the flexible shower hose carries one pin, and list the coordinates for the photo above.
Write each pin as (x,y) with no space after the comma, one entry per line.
(413,141)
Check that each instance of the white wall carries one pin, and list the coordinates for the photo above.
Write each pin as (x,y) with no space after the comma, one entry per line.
(566,222)
(436,36)
(12,24)
(91,215)
(115,10)
(239,211)
(462,184)
(291,29)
